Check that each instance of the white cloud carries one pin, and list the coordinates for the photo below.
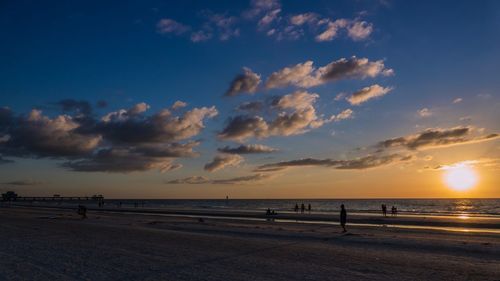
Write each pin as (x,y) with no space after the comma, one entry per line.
(178,104)
(301,19)
(332,29)
(424,112)
(368,93)
(222,161)
(305,75)
(359,30)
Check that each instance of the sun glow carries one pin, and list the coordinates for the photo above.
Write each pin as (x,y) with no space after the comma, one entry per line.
(460,176)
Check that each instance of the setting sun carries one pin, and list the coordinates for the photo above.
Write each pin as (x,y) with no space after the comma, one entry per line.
(460,177)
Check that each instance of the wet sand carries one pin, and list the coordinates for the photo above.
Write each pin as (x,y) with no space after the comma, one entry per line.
(55,244)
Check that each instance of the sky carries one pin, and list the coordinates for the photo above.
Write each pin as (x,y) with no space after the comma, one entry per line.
(249,99)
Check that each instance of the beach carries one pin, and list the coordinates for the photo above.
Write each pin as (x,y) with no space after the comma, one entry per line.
(56,244)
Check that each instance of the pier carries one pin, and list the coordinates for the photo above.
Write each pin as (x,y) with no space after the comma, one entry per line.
(12,196)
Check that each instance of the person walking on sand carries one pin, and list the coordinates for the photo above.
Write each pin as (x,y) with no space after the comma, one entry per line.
(384,210)
(296,209)
(302,208)
(343,217)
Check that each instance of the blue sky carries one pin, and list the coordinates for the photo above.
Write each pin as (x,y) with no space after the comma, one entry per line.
(160,52)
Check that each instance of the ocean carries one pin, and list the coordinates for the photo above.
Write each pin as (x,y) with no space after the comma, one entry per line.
(477,207)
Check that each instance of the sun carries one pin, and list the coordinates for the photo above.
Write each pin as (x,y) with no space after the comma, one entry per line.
(460,177)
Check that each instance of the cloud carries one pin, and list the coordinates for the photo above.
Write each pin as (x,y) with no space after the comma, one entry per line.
(298,100)
(465,118)
(247,149)
(259,7)
(222,161)
(247,82)
(345,114)
(251,106)
(296,115)
(171,26)
(225,26)
(178,104)
(242,127)
(368,93)
(126,140)
(487,163)
(200,36)
(23,182)
(359,30)
(36,135)
(434,138)
(304,18)
(352,68)
(190,180)
(366,162)
(245,179)
(123,127)
(424,112)
(268,18)
(138,108)
(236,180)
(457,100)
(299,75)
(121,160)
(305,75)
(332,29)
(214,25)
(339,96)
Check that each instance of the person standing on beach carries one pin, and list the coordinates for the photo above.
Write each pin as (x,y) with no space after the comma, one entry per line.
(309,207)
(82,211)
(302,208)
(384,210)
(296,209)
(343,217)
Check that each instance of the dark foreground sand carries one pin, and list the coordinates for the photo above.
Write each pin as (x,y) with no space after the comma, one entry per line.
(54,244)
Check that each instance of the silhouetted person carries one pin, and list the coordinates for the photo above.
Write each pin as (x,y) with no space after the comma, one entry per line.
(309,208)
(82,211)
(302,208)
(268,212)
(384,210)
(296,209)
(393,211)
(343,217)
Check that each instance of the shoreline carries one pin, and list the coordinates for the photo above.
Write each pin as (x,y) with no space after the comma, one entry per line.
(443,223)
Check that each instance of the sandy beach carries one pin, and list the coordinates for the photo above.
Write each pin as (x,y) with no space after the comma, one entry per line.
(55,244)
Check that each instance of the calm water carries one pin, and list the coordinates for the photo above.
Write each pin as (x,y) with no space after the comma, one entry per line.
(412,206)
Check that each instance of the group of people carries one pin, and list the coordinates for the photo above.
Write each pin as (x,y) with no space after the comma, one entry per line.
(302,208)
(394,210)
(270,212)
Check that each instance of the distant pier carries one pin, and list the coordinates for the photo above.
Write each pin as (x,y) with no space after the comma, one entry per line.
(12,196)
(59,198)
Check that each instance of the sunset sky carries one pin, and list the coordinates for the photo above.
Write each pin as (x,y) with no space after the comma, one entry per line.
(251,99)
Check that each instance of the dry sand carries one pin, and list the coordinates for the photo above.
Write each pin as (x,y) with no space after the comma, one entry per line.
(54,244)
